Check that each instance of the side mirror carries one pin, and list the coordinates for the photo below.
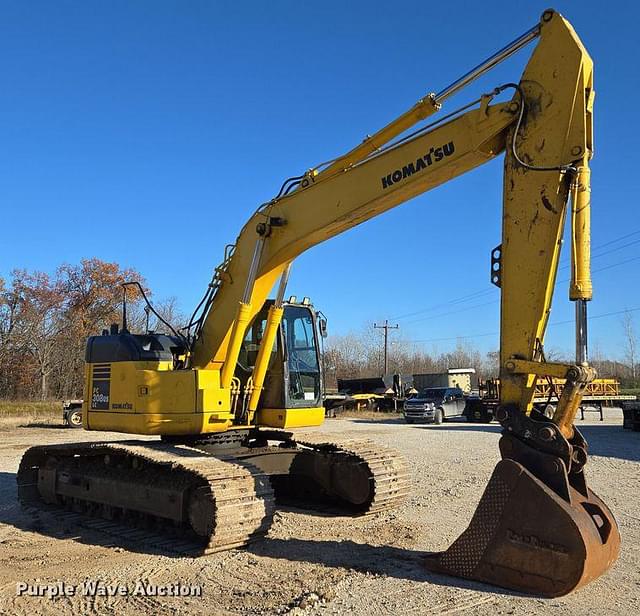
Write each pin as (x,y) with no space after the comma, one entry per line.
(322,326)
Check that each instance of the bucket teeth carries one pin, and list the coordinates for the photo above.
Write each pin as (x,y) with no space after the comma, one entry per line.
(525,537)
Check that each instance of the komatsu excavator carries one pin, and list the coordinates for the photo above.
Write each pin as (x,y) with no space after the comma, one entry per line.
(222,394)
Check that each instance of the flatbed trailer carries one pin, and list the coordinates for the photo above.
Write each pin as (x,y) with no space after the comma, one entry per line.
(601,393)
(384,393)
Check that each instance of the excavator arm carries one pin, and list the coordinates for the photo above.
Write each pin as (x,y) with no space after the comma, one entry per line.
(325,205)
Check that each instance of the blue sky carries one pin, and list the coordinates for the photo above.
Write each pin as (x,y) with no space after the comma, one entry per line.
(147,132)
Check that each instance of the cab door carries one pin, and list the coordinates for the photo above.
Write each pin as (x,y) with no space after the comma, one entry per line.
(459,400)
(449,404)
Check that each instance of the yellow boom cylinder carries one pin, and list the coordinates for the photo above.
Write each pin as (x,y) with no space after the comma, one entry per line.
(233,350)
(274,318)
(581,288)
(425,107)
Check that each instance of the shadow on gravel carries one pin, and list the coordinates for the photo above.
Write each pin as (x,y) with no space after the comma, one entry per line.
(56,524)
(45,425)
(382,420)
(462,427)
(9,508)
(609,440)
(612,441)
(389,561)
(7,484)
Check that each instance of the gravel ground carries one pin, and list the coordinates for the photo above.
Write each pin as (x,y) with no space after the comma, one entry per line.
(320,564)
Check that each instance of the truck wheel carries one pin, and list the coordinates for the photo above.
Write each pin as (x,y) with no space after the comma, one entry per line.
(438,417)
(74,419)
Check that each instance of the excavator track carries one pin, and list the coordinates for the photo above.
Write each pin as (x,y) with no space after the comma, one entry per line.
(204,504)
(389,478)
(193,500)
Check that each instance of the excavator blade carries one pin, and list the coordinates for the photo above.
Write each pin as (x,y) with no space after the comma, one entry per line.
(525,537)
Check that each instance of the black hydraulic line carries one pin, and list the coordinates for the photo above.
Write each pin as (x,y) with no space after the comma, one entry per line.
(563,168)
(193,316)
(135,283)
(290,188)
(297,178)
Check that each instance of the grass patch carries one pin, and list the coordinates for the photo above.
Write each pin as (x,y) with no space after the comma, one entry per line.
(40,409)
(634,391)
(15,413)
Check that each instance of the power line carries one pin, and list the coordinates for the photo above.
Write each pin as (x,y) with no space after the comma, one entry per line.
(597,316)
(602,254)
(602,269)
(446,314)
(495,301)
(457,300)
(623,237)
(386,328)
(606,252)
(452,338)
(480,293)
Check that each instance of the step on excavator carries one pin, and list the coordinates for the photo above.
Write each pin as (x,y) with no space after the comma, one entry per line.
(223,393)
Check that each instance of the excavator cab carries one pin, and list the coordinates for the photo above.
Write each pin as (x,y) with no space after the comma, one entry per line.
(292,393)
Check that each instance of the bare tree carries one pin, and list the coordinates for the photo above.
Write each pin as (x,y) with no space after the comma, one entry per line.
(492,364)
(11,340)
(45,321)
(630,343)
(357,355)
(169,310)
(41,301)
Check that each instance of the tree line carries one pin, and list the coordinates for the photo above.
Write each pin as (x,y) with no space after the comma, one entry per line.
(361,355)
(358,355)
(46,319)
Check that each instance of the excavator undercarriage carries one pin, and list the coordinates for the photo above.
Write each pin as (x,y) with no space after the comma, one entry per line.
(212,494)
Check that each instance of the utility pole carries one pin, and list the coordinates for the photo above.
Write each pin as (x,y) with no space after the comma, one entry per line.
(386,328)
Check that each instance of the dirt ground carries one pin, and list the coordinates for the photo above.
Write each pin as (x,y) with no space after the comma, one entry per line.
(317,564)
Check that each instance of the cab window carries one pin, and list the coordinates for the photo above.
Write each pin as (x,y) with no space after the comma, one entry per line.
(302,355)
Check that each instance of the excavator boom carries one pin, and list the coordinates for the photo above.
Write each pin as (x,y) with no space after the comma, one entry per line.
(284,228)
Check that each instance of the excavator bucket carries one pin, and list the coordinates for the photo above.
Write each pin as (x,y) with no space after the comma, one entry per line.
(526,537)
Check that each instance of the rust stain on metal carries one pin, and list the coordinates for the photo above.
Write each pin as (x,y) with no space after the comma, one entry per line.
(532,224)
(547,203)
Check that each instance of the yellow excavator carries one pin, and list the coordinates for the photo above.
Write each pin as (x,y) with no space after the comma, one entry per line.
(223,392)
